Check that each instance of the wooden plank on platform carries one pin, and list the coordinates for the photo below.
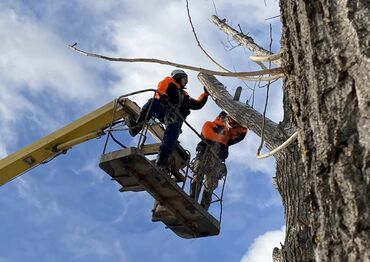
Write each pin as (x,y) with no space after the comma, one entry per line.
(189,219)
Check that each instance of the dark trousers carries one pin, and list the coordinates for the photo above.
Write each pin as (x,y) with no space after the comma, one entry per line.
(151,108)
(171,134)
(155,108)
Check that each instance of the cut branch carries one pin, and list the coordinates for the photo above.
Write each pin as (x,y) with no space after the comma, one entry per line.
(242,113)
(243,39)
(251,76)
(267,58)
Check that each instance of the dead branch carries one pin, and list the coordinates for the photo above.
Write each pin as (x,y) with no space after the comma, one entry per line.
(245,40)
(208,55)
(251,76)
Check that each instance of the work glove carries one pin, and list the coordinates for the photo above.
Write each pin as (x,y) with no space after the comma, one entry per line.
(205,90)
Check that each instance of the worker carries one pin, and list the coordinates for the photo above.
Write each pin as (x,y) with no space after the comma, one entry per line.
(209,163)
(171,105)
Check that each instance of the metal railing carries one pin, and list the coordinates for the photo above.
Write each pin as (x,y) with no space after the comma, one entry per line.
(143,137)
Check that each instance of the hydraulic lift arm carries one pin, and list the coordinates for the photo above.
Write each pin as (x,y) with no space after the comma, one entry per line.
(85,128)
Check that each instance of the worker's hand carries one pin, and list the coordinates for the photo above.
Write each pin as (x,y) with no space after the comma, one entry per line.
(205,90)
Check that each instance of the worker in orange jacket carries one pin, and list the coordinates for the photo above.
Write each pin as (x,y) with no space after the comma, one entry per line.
(209,163)
(171,105)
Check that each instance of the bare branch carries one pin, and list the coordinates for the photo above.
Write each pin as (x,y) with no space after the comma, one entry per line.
(214,6)
(245,40)
(266,102)
(199,44)
(276,16)
(251,76)
(208,55)
(242,113)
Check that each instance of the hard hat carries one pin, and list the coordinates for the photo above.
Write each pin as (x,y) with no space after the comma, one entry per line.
(178,73)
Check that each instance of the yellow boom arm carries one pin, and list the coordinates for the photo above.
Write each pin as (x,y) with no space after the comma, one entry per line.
(85,128)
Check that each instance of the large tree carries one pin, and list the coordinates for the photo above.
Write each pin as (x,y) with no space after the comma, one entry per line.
(324,177)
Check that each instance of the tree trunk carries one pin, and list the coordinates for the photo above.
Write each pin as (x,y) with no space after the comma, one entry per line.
(324,179)
(326,52)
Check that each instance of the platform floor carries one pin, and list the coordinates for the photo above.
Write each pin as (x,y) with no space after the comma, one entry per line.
(174,207)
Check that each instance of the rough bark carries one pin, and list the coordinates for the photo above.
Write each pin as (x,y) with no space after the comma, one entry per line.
(324,179)
(326,48)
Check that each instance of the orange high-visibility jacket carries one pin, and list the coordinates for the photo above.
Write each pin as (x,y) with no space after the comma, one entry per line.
(163,86)
(216,132)
(236,134)
(177,95)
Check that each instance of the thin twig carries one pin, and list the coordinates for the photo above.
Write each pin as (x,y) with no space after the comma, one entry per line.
(254,92)
(215,8)
(266,102)
(276,16)
(241,30)
(228,46)
(251,76)
(270,82)
(199,44)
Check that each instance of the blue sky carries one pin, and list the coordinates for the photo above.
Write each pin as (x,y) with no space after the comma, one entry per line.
(69,210)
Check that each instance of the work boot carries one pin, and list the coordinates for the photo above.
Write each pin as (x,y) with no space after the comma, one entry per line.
(134,128)
(163,156)
(193,190)
(206,199)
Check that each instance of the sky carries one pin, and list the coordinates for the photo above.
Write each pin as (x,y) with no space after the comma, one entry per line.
(69,209)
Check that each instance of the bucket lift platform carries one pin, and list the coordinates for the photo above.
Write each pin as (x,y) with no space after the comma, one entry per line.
(180,213)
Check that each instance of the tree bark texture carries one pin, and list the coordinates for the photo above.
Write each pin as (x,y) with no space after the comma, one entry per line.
(326,53)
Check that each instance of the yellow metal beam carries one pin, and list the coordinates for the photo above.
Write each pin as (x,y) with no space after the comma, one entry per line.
(33,154)
(85,128)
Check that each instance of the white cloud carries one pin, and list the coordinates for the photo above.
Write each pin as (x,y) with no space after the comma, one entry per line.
(30,192)
(36,65)
(262,246)
(35,59)
(83,242)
